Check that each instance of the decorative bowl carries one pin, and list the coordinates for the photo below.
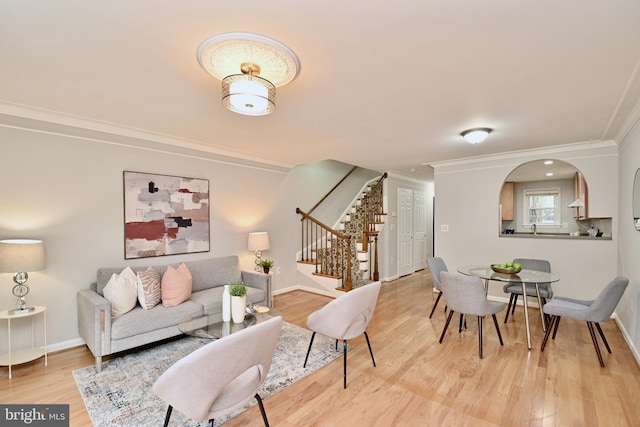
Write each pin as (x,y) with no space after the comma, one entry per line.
(505,270)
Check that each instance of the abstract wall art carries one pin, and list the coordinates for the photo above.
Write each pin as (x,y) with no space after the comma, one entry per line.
(164,215)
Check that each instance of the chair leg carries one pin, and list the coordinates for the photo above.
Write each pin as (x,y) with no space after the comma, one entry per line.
(506,317)
(595,343)
(463,323)
(480,335)
(435,304)
(495,322)
(262,411)
(313,335)
(555,328)
(166,418)
(345,363)
(604,340)
(370,351)
(553,324)
(515,301)
(446,325)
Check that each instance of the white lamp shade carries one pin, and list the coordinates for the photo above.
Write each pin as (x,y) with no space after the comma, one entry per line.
(249,95)
(21,255)
(577,203)
(258,241)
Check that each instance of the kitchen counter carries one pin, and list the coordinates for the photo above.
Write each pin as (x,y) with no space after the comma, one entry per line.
(552,236)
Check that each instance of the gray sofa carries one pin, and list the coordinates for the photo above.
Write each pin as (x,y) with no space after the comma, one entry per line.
(104,335)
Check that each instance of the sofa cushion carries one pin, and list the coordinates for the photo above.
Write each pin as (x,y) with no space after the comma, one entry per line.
(122,292)
(212,272)
(149,294)
(176,285)
(140,321)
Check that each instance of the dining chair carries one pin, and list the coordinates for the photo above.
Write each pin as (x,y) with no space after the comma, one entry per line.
(591,311)
(466,295)
(344,318)
(221,377)
(515,289)
(436,266)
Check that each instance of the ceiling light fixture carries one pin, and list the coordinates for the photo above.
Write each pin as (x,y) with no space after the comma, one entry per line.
(250,67)
(476,135)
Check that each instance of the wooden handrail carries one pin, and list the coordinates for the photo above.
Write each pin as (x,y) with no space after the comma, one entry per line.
(333,189)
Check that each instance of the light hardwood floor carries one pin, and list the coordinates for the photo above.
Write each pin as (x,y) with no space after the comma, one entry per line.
(417,382)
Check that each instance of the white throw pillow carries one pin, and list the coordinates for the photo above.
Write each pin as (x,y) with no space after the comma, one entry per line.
(149,288)
(122,292)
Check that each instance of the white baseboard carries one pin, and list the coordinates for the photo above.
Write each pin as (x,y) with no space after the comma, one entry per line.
(627,339)
(65,345)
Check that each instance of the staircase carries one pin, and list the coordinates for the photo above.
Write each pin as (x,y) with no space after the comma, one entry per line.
(344,256)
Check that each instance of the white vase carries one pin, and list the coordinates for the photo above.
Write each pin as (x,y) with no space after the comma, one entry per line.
(238,307)
(226,304)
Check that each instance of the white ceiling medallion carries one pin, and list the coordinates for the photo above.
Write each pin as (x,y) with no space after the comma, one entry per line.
(250,67)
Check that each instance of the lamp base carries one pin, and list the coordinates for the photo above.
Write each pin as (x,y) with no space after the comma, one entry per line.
(23,310)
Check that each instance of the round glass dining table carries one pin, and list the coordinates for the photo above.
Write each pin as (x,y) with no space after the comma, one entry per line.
(524,277)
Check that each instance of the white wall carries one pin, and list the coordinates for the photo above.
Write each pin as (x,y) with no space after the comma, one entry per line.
(68,192)
(629,242)
(467,200)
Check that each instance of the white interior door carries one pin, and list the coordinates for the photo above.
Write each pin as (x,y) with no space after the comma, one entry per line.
(405,231)
(419,231)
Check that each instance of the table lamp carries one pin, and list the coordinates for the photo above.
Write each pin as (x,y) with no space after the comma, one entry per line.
(19,256)
(258,242)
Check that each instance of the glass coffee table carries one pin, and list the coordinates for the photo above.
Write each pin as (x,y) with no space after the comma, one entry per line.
(212,327)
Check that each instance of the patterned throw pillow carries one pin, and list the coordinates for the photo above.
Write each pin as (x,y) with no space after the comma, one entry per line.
(122,292)
(176,285)
(149,294)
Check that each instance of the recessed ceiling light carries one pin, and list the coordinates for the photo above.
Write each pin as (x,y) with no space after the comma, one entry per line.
(549,173)
(548,162)
(476,135)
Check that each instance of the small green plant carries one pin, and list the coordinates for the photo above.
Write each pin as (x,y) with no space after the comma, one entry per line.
(238,289)
(266,263)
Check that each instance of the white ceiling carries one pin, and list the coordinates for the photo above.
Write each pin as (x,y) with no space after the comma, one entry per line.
(384,85)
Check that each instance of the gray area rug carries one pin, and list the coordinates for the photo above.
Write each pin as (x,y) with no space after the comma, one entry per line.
(121,394)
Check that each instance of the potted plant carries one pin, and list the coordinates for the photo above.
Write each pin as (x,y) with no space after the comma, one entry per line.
(266,265)
(238,291)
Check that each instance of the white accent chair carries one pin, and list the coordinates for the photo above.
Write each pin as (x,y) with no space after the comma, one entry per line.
(222,376)
(344,318)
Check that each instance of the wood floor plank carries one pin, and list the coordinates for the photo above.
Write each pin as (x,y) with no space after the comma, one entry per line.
(417,381)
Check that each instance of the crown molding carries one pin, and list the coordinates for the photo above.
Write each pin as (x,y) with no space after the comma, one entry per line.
(542,152)
(54,123)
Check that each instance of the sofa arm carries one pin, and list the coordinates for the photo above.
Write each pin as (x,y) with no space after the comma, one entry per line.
(260,281)
(94,322)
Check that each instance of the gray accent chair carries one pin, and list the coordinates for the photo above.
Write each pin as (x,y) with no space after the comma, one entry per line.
(591,311)
(466,295)
(345,318)
(222,376)
(515,289)
(436,266)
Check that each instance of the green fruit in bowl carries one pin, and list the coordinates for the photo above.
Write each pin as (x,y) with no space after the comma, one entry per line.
(509,264)
(517,266)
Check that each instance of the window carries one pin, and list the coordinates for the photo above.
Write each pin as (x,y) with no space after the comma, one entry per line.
(542,207)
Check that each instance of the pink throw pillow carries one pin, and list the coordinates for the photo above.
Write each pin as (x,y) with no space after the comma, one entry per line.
(176,285)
